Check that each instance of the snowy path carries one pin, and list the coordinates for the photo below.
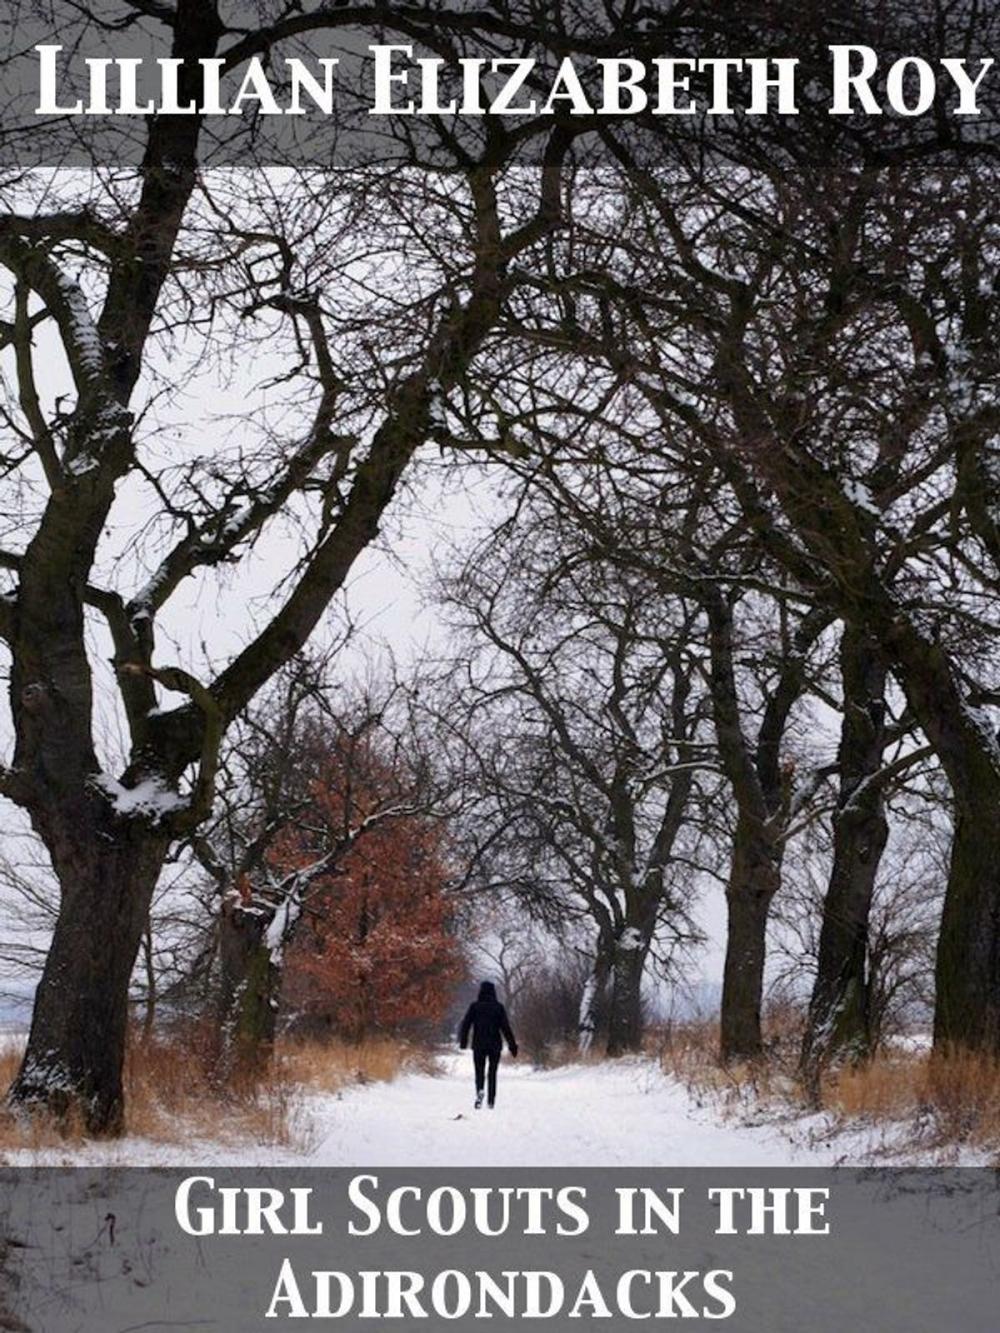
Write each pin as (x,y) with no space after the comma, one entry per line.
(622,1114)
(626,1114)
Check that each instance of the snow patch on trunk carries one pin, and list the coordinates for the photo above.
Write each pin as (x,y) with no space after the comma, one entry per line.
(281,926)
(149,799)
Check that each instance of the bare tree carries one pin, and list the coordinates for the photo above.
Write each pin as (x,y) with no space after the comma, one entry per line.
(582,711)
(895,973)
(505,947)
(807,325)
(862,527)
(824,337)
(762,781)
(752,637)
(132,280)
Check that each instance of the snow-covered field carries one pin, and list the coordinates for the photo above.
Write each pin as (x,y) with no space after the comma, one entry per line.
(628,1113)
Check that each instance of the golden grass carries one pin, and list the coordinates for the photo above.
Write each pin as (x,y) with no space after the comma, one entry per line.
(689,1052)
(174,1097)
(889,1087)
(945,1098)
(10,1058)
(927,1100)
(935,1100)
(330,1066)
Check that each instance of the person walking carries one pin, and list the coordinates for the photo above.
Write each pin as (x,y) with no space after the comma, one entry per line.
(487,1021)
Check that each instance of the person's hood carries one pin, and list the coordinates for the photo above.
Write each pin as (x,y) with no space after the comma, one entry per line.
(487,991)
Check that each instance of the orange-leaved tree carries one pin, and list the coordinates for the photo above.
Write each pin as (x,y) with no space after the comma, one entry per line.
(375,950)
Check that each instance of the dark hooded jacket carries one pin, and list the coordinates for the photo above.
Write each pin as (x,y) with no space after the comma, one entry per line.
(487,1020)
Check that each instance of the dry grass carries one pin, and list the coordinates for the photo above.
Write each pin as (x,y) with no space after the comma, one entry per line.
(689,1051)
(888,1088)
(686,1048)
(173,1096)
(941,1099)
(330,1066)
(10,1058)
(691,1048)
(917,1100)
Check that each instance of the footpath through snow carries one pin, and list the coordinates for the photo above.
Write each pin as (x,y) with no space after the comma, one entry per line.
(627,1113)
(623,1114)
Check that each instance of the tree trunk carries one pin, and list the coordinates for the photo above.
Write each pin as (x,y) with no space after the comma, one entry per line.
(250,980)
(967,977)
(967,1012)
(839,1011)
(594,1001)
(761,790)
(73,1063)
(625,1010)
(967,1008)
(754,879)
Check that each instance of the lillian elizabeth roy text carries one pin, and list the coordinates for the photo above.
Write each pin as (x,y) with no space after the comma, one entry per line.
(405,85)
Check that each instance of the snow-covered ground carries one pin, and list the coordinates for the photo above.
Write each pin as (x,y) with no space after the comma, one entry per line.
(627,1113)
(621,1114)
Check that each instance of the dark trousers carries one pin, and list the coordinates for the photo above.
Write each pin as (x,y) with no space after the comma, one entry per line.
(480,1059)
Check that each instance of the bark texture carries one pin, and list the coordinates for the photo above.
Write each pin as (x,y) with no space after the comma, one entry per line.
(839,1022)
(754,879)
(760,785)
(625,1007)
(249,988)
(75,1055)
